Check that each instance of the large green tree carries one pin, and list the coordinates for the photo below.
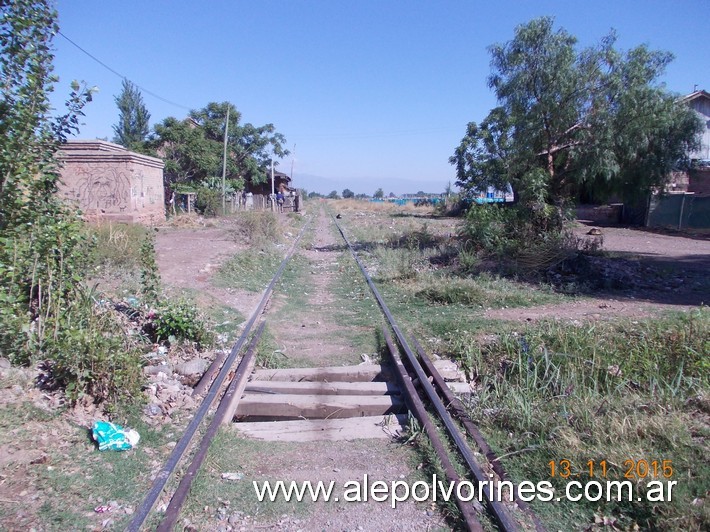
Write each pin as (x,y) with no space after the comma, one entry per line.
(193,148)
(133,118)
(570,121)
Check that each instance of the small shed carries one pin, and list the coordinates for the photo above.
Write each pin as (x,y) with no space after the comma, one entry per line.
(282,182)
(108,182)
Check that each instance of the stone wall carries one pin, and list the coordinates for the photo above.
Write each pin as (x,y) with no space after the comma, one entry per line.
(108,182)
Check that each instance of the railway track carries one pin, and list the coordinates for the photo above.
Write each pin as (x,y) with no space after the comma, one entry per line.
(344,402)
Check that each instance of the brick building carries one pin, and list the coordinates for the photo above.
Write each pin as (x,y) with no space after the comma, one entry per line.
(108,182)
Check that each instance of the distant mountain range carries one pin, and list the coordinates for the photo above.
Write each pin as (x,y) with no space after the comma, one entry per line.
(324,185)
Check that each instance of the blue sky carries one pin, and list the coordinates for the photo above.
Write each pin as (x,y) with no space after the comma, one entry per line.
(371,92)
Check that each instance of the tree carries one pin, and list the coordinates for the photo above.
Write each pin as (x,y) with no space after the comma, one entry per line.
(569,120)
(333,195)
(193,148)
(379,194)
(251,148)
(133,116)
(188,154)
(347,193)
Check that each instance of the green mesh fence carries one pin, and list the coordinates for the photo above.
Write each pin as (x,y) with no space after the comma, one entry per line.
(680,211)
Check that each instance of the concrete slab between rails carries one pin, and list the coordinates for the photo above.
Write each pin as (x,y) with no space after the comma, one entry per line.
(302,430)
(318,406)
(321,388)
(361,373)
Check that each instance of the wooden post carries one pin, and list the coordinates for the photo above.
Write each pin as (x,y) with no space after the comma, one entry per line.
(680,217)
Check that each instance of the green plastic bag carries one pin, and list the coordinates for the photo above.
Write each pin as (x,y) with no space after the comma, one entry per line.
(111,437)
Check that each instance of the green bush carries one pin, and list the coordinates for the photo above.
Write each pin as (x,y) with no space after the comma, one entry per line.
(91,354)
(180,321)
(208,202)
(522,238)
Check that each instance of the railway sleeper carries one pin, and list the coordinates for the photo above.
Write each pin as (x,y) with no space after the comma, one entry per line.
(327,403)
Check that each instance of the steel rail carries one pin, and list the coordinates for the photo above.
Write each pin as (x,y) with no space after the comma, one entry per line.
(497,509)
(164,475)
(459,412)
(415,405)
(173,510)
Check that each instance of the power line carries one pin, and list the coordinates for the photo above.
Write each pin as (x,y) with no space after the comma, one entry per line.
(380,134)
(122,76)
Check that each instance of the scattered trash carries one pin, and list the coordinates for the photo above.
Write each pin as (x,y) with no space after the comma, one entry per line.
(152,410)
(232,476)
(103,509)
(112,437)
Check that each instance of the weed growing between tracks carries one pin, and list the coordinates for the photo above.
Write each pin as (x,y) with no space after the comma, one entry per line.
(603,392)
(230,454)
(250,270)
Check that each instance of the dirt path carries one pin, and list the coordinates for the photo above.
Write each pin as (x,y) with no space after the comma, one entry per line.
(309,333)
(188,258)
(664,273)
(309,330)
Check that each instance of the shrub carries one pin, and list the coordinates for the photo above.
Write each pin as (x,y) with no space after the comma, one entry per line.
(91,354)
(208,202)
(150,278)
(180,321)
(258,227)
(523,238)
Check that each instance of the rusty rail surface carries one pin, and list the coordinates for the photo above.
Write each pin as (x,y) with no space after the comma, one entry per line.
(173,510)
(167,470)
(498,510)
(459,412)
(415,405)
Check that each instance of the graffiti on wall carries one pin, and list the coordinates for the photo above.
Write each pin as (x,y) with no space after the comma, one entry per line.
(102,187)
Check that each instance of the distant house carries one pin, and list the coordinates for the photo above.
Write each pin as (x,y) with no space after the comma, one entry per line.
(108,182)
(697,180)
(492,195)
(686,204)
(282,182)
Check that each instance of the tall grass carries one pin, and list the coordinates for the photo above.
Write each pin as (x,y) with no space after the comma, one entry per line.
(116,245)
(257,227)
(637,390)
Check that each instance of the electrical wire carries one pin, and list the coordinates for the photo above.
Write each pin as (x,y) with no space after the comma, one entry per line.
(143,89)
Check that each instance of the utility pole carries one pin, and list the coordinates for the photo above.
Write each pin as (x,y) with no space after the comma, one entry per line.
(273,193)
(224,166)
(293,157)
